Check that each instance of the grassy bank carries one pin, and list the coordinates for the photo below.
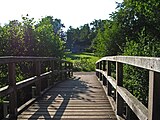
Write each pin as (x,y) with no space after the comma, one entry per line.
(82,61)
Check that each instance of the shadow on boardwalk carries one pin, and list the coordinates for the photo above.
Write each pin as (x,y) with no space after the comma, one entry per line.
(79,98)
(60,96)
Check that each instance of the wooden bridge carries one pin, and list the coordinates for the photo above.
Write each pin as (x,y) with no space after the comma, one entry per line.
(53,91)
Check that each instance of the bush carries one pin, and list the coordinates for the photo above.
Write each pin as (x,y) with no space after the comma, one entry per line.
(84,64)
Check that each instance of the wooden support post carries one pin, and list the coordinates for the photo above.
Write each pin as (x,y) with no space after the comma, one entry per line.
(109,87)
(98,72)
(104,69)
(99,69)
(71,69)
(96,68)
(154,96)
(57,70)
(128,113)
(50,76)
(60,70)
(38,73)
(5,108)
(100,65)
(33,91)
(119,80)
(12,95)
(65,68)
(54,72)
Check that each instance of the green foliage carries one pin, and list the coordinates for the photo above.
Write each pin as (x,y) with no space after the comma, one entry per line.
(84,64)
(47,39)
(30,38)
(136,80)
(82,61)
(133,30)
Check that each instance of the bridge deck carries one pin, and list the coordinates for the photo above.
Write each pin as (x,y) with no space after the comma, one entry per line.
(80,98)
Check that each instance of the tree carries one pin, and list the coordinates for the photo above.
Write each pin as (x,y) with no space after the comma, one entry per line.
(48,39)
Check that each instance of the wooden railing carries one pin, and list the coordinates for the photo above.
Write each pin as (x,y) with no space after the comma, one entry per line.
(57,70)
(103,71)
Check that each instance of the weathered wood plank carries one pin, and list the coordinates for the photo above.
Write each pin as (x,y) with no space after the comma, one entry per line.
(137,107)
(81,97)
(150,63)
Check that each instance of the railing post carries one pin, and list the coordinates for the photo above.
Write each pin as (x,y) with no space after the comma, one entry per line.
(13,95)
(52,69)
(104,69)
(100,74)
(71,69)
(69,72)
(65,68)
(33,91)
(55,72)
(38,73)
(5,108)
(119,80)
(60,71)
(97,68)
(70,66)
(109,87)
(128,113)
(154,96)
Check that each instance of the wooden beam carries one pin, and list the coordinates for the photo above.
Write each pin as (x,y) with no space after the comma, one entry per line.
(137,107)
(150,63)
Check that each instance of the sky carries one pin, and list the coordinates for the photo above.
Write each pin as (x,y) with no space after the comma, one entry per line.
(73,13)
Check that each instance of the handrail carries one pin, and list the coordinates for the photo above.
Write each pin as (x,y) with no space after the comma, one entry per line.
(11,89)
(103,71)
(150,63)
(16,59)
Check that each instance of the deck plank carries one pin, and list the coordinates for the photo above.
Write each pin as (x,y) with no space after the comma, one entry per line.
(81,98)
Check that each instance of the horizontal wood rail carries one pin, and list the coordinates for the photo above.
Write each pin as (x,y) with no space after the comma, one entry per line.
(103,72)
(59,69)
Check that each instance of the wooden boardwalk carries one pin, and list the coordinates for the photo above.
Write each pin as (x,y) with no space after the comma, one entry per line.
(80,98)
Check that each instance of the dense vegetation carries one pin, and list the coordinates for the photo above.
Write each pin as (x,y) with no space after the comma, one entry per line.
(30,38)
(131,30)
